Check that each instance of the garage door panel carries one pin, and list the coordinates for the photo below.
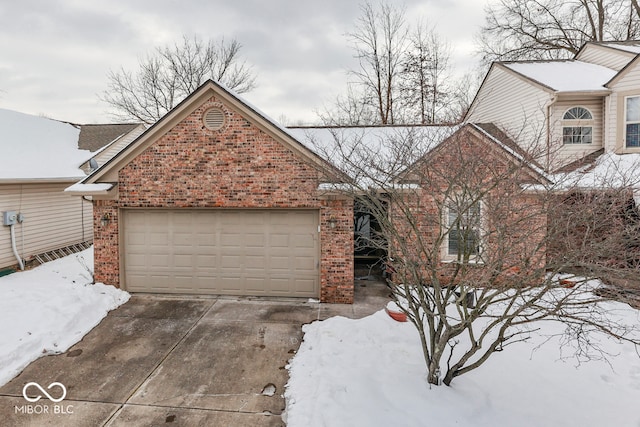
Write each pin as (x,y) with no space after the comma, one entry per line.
(305,263)
(230,240)
(206,261)
(157,260)
(302,241)
(239,252)
(255,262)
(185,261)
(301,284)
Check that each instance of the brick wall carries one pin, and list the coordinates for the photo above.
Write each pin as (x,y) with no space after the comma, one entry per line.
(513,221)
(239,166)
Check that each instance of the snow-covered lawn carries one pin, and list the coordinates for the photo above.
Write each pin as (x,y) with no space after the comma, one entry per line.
(48,309)
(370,372)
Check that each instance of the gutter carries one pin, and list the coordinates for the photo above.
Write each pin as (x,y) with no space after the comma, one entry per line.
(40,180)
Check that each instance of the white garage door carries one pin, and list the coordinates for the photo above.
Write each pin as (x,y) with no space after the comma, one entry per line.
(226,252)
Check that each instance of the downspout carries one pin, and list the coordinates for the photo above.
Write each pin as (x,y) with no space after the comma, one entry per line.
(551,101)
(13,246)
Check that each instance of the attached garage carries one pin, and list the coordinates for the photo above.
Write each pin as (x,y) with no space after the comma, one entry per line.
(271,252)
(217,199)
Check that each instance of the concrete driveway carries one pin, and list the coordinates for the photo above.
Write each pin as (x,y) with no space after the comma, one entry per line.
(177,362)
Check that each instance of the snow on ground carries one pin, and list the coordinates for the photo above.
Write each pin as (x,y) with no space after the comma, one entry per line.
(370,372)
(48,309)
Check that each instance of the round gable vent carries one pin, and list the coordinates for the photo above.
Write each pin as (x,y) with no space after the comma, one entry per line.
(213,118)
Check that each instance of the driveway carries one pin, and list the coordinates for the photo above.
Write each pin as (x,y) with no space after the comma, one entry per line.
(177,361)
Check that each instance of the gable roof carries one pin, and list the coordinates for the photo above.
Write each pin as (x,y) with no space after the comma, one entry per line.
(371,155)
(508,144)
(108,171)
(96,136)
(497,139)
(630,46)
(564,75)
(39,149)
(631,65)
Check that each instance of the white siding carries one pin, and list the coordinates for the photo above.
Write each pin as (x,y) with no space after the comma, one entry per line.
(513,104)
(53,219)
(627,85)
(607,57)
(114,148)
(118,145)
(563,154)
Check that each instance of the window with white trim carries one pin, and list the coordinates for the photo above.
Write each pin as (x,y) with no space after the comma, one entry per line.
(632,121)
(577,126)
(463,231)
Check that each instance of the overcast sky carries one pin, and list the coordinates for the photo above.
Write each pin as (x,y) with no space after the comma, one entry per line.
(55,55)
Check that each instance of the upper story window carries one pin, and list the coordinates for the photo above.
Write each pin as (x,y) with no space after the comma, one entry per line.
(577,126)
(632,121)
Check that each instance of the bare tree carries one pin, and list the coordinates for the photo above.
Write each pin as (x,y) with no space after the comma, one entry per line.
(170,73)
(403,74)
(472,229)
(379,42)
(426,75)
(554,29)
(348,109)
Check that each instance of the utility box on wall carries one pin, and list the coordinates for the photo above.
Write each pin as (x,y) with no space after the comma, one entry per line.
(9,217)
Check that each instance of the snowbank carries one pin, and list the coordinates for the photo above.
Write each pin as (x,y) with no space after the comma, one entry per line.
(371,372)
(48,309)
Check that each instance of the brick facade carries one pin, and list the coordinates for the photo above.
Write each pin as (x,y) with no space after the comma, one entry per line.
(513,221)
(238,166)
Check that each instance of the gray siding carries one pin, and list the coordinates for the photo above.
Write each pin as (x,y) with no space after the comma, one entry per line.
(53,219)
(515,105)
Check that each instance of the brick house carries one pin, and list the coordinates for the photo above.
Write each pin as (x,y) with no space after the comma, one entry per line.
(215,198)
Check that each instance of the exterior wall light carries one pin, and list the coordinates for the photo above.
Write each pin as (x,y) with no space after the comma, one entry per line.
(106,218)
(332,222)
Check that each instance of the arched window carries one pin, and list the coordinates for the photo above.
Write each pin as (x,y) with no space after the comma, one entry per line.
(577,126)
(577,113)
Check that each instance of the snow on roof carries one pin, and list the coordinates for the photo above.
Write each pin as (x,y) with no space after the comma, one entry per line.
(609,171)
(89,188)
(627,47)
(372,155)
(39,148)
(565,76)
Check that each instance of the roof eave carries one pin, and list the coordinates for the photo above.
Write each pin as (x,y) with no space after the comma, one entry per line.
(594,92)
(107,193)
(40,180)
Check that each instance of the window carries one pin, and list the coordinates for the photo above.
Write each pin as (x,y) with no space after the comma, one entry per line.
(577,126)
(463,238)
(632,121)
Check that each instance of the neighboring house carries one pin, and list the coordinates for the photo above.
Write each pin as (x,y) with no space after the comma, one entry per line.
(40,158)
(563,110)
(105,140)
